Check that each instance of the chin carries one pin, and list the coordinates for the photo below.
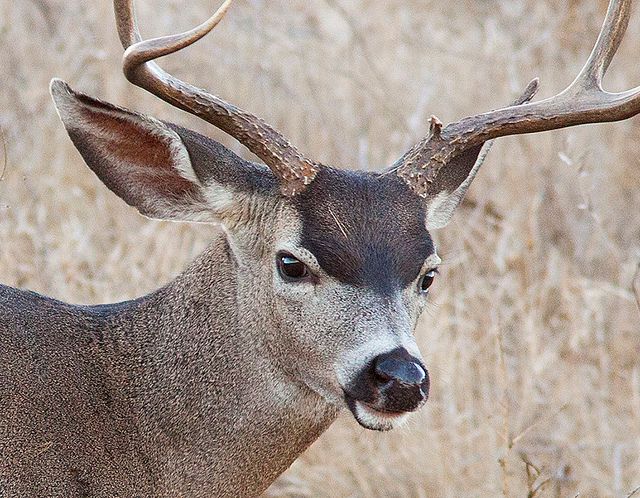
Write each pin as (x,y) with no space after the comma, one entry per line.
(376,420)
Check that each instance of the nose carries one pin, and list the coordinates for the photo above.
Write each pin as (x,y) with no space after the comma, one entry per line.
(402,379)
(390,368)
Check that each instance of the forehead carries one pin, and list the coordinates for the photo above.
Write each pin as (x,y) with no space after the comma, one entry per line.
(364,229)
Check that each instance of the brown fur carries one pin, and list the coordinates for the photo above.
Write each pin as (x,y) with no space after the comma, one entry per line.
(142,398)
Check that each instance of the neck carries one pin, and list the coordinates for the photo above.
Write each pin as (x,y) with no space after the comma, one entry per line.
(215,413)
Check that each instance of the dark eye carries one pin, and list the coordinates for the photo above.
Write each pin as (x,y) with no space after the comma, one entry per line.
(291,268)
(426,281)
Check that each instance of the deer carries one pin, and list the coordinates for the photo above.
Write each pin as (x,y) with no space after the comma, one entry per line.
(304,303)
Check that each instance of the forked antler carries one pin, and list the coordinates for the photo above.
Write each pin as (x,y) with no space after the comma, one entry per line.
(584,101)
(287,163)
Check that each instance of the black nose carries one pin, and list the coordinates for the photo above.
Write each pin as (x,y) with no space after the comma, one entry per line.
(390,368)
(402,379)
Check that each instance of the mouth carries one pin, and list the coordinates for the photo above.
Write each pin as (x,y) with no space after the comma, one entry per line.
(375,419)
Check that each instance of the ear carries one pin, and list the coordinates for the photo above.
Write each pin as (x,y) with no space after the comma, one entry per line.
(164,171)
(451,185)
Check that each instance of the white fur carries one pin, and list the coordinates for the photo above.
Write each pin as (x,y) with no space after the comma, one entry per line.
(380,421)
(219,199)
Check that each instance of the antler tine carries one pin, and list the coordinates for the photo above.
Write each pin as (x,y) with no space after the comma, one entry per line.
(287,163)
(609,40)
(582,102)
(126,23)
(145,51)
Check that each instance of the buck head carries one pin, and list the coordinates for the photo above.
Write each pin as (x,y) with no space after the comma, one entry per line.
(333,266)
(336,275)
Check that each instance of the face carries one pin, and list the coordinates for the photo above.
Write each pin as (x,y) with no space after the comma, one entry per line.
(337,275)
(347,272)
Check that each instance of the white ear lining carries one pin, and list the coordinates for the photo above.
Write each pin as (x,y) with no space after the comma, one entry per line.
(441,207)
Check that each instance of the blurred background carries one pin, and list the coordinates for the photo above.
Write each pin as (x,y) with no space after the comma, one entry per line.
(533,333)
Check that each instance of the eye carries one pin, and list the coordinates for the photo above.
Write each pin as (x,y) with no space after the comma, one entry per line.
(291,268)
(426,281)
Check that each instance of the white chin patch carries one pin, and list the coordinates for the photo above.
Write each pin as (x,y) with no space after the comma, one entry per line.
(377,420)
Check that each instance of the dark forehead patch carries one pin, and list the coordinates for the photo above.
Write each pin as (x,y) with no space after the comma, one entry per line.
(365,229)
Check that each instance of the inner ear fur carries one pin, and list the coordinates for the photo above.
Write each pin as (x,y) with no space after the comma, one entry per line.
(451,185)
(165,171)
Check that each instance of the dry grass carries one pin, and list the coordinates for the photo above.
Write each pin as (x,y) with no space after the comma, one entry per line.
(533,337)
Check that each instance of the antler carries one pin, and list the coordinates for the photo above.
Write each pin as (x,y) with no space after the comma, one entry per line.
(584,101)
(286,162)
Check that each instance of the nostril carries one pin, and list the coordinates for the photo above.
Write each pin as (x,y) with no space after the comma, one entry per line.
(398,370)
(383,371)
